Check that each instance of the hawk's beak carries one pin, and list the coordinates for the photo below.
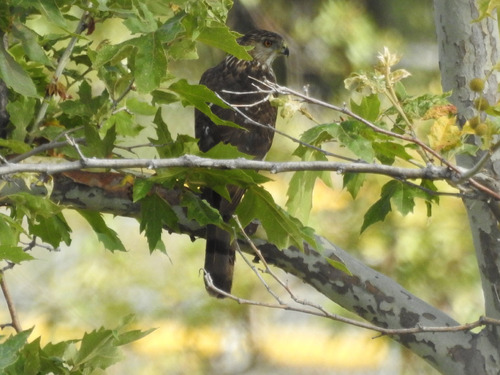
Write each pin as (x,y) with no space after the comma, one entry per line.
(284,50)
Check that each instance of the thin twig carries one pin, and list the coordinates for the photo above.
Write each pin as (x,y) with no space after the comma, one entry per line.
(293,139)
(71,142)
(10,304)
(261,258)
(45,147)
(317,310)
(286,91)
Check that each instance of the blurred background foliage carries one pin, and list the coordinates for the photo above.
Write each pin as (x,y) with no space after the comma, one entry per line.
(83,286)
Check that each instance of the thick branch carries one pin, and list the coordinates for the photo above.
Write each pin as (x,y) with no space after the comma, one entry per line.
(369,294)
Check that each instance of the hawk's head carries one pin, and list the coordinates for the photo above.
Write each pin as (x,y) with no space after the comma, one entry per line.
(267,45)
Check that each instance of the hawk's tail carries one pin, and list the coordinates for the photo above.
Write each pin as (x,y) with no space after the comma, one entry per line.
(219,260)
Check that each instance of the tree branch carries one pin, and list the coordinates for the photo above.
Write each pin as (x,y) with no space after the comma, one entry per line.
(430,172)
(10,304)
(370,294)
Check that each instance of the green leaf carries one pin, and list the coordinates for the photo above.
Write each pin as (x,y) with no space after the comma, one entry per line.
(156,213)
(31,355)
(142,187)
(318,134)
(282,229)
(171,28)
(218,179)
(301,186)
(199,96)
(124,124)
(164,97)
(368,108)
(21,112)
(52,230)
(299,193)
(387,152)
(113,54)
(14,75)
(150,63)
(5,15)
(142,21)
(404,197)
(339,265)
(17,147)
(107,236)
(95,146)
(353,183)
(126,337)
(218,35)
(164,138)
(50,10)
(32,205)
(355,136)
(10,348)
(14,254)
(131,336)
(140,108)
(29,41)
(97,350)
(10,230)
(200,211)
(377,212)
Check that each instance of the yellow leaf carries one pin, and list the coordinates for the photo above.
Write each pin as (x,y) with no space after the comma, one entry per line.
(444,134)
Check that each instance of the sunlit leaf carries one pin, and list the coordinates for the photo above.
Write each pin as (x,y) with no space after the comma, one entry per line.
(301,186)
(139,107)
(444,133)
(220,36)
(14,254)
(368,108)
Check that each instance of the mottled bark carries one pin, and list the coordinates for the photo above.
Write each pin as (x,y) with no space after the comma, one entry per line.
(468,50)
(368,293)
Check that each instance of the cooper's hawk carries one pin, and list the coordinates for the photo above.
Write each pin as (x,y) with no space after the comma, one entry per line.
(239,76)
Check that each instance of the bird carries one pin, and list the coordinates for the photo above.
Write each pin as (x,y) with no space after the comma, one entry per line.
(230,77)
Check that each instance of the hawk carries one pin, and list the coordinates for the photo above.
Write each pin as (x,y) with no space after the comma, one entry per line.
(229,77)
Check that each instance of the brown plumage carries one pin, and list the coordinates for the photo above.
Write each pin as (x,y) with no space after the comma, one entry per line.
(236,75)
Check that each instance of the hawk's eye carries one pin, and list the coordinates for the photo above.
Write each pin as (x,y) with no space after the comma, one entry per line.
(267,43)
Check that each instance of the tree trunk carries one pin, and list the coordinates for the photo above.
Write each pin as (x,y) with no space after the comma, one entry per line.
(469,50)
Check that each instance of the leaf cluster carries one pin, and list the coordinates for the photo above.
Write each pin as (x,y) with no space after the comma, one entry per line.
(92,354)
(386,126)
